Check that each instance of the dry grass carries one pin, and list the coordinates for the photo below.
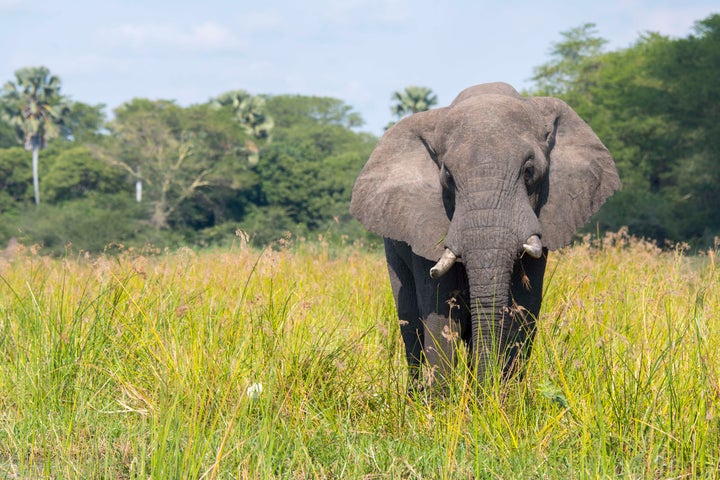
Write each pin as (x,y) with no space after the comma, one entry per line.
(150,367)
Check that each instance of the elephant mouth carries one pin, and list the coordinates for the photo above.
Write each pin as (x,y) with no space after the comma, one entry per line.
(532,246)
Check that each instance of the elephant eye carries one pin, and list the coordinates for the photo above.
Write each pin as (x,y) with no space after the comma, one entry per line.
(529,173)
(529,170)
(446,177)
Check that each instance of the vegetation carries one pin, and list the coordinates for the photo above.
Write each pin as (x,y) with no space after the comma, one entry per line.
(271,166)
(121,359)
(34,107)
(653,105)
(279,165)
(288,363)
(411,100)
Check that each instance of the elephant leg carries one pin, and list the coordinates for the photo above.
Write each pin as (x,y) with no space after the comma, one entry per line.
(526,290)
(443,311)
(440,348)
(398,256)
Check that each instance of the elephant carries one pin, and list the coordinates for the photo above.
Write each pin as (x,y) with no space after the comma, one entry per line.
(469,199)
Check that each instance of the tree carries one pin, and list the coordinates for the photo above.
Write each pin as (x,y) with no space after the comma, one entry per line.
(8,138)
(295,110)
(307,173)
(654,105)
(686,71)
(33,105)
(251,113)
(176,151)
(15,180)
(412,100)
(572,59)
(73,173)
(83,123)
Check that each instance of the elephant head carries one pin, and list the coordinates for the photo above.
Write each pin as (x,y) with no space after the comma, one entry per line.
(491,177)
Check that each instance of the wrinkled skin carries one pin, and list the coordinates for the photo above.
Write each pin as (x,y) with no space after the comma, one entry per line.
(494,180)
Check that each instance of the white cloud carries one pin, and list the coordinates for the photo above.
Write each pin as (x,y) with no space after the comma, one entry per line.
(205,36)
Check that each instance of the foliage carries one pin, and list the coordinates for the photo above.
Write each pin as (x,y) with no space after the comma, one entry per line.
(289,364)
(411,100)
(653,106)
(84,123)
(249,111)
(74,173)
(34,107)
(172,150)
(571,61)
(273,164)
(297,110)
(306,175)
(86,224)
(15,178)
(8,138)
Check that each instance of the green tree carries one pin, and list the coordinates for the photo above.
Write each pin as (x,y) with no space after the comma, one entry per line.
(688,94)
(573,59)
(74,173)
(251,113)
(307,173)
(15,179)
(300,110)
(177,153)
(33,105)
(84,123)
(8,138)
(412,100)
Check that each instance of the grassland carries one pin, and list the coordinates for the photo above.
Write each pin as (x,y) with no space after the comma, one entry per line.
(288,364)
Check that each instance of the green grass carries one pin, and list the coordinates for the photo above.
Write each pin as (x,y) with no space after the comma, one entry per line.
(140,367)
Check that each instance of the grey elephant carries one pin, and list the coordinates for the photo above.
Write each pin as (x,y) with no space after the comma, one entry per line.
(469,199)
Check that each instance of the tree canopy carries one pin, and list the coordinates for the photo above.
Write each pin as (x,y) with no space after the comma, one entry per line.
(34,107)
(279,165)
(654,105)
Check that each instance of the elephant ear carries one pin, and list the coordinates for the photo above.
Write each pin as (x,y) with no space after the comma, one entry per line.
(398,193)
(581,175)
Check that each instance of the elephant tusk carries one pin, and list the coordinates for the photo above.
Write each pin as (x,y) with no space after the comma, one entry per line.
(447,260)
(533,246)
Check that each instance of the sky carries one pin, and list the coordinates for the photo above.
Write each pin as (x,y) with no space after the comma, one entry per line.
(360,51)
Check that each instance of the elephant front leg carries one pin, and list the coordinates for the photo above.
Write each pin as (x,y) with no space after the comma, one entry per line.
(412,335)
(402,282)
(526,291)
(442,334)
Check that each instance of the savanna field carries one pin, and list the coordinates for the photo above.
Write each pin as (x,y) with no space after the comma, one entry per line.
(288,364)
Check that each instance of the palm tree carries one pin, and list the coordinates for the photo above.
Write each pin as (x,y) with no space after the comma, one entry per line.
(250,112)
(34,107)
(412,100)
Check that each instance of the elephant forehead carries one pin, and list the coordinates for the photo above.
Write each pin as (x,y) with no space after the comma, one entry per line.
(492,115)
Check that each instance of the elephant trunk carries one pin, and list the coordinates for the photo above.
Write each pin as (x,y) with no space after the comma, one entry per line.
(490,248)
(489,281)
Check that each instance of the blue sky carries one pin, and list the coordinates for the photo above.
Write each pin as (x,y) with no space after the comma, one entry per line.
(360,51)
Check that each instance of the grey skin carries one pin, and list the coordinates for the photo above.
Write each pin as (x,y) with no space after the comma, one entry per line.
(469,199)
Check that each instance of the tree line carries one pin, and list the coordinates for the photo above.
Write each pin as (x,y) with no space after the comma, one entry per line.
(164,174)
(279,165)
(656,106)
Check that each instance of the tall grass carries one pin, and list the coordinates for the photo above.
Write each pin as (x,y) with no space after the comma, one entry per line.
(289,364)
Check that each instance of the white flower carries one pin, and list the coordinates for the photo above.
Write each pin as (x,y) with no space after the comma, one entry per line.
(254,391)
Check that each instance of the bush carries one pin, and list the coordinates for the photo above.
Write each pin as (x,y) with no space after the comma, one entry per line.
(88,224)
